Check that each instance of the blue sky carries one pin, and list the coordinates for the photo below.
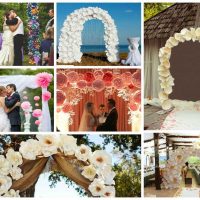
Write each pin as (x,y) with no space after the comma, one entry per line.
(127,17)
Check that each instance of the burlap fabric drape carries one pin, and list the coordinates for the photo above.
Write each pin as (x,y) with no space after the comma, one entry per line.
(32,169)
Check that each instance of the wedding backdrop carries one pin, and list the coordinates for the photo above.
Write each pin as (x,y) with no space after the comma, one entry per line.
(32,111)
(88,167)
(34,17)
(92,34)
(76,87)
(166,158)
(171,72)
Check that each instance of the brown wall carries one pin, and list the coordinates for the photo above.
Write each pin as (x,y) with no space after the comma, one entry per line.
(185,68)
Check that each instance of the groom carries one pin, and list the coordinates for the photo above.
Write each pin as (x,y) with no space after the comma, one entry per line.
(111,121)
(18,37)
(14,116)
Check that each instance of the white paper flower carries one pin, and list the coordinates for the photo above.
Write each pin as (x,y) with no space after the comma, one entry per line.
(14,157)
(49,144)
(186,34)
(89,172)
(168,90)
(68,144)
(109,191)
(108,175)
(5,184)
(101,158)
(12,193)
(4,166)
(30,149)
(173,41)
(97,187)
(16,173)
(83,152)
(166,105)
(162,96)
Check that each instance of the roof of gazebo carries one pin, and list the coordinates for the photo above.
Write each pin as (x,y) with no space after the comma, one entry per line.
(172,20)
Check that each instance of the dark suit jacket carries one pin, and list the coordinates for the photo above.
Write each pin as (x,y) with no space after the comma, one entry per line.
(11,22)
(111,122)
(14,115)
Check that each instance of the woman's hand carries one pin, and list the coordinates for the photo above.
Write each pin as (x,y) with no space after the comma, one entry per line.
(18,104)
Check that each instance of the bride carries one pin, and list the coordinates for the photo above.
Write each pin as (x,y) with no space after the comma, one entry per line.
(88,120)
(5,122)
(7,50)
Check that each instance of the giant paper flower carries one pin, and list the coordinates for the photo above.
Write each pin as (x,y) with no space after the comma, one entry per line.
(127,78)
(83,152)
(89,172)
(16,173)
(72,77)
(37,113)
(68,144)
(98,85)
(89,77)
(5,184)
(12,193)
(118,83)
(46,96)
(26,105)
(108,77)
(98,74)
(61,80)
(109,191)
(43,79)
(136,78)
(14,157)
(108,175)
(97,187)
(60,98)
(81,84)
(4,166)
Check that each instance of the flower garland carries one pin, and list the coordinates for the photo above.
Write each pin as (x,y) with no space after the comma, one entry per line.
(72,85)
(172,172)
(33,34)
(69,47)
(97,168)
(167,81)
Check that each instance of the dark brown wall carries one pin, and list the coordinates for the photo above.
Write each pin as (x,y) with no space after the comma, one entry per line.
(185,68)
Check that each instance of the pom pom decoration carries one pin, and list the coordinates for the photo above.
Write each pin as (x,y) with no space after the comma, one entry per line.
(118,83)
(81,84)
(98,85)
(37,113)
(25,97)
(61,80)
(46,96)
(72,76)
(43,79)
(98,74)
(136,78)
(36,98)
(33,33)
(108,77)
(26,105)
(37,122)
(89,77)
(127,77)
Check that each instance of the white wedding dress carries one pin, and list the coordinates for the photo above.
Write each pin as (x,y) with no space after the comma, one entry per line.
(83,124)
(7,50)
(4,121)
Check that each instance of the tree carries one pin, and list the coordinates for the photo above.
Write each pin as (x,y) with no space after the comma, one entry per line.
(151,9)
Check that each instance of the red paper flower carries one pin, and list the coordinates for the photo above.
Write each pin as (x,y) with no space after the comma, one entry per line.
(118,83)
(81,84)
(108,77)
(133,106)
(89,77)
(72,76)
(60,98)
(98,85)
(98,74)
(136,78)
(61,80)
(67,108)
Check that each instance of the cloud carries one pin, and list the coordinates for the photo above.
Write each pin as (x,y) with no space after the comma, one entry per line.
(128,11)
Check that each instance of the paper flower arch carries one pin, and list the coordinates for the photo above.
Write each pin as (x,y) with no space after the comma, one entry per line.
(172,176)
(70,42)
(95,168)
(167,81)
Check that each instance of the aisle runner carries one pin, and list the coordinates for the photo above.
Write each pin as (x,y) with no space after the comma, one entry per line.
(190,192)
(179,119)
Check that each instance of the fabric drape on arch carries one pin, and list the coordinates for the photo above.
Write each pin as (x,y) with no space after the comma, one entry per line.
(32,169)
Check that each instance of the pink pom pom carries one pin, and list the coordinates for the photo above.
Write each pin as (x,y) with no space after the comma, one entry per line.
(37,122)
(25,97)
(61,80)
(36,98)
(89,77)
(37,113)
(136,78)
(37,104)
(127,78)
(98,85)
(108,77)
(43,79)
(60,98)
(46,96)
(81,84)
(26,105)
(72,76)
(118,83)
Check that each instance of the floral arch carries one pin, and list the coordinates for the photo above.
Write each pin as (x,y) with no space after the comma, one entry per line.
(19,170)
(172,176)
(71,86)
(167,81)
(70,42)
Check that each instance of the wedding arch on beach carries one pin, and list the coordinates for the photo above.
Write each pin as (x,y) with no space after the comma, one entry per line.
(91,170)
(69,48)
(40,80)
(72,85)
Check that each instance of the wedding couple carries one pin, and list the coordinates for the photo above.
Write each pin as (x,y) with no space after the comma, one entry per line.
(9,109)
(12,40)
(92,122)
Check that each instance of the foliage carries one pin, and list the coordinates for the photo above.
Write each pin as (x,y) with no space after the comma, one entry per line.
(151,9)
(21,9)
(36,92)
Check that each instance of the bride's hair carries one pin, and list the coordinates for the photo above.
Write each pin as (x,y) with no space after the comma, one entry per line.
(7,14)
(88,106)
(2,89)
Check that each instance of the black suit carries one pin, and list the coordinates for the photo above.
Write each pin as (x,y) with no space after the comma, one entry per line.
(111,122)
(18,43)
(14,115)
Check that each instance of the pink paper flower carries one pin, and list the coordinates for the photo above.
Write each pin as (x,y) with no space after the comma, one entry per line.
(108,77)
(67,108)
(81,84)
(98,85)
(37,104)
(25,97)
(37,113)
(46,96)
(118,83)
(133,106)
(98,74)
(61,80)
(37,122)
(36,98)
(72,76)
(60,98)
(89,77)
(127,78)
(43,79)
(25,105)
(136,78)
